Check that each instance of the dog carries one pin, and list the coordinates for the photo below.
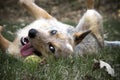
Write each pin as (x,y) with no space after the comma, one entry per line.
(47,36)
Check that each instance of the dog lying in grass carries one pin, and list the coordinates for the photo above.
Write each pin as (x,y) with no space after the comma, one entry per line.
(47,36)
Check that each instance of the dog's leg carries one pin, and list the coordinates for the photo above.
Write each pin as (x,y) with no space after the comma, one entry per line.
(4,43)
(92,20)
(35,10)
(10,47)
(112,43)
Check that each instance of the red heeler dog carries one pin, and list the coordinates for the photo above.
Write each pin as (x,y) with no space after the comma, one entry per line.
(47,36)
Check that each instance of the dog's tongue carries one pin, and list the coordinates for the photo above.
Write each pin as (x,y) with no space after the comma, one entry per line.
(26,50)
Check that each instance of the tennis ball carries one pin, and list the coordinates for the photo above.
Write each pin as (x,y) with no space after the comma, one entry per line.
(32,59)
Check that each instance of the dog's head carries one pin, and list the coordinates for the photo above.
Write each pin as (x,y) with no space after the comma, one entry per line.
(51,42)
(55,42)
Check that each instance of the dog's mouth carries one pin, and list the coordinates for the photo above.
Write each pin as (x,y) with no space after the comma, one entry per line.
(27,49)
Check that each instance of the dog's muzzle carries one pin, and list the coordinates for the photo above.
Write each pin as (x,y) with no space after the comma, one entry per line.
(27,49)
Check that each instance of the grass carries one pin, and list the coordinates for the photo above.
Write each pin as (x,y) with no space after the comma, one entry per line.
(71,68)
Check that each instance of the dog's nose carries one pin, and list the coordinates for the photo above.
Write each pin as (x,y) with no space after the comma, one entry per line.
(32,33)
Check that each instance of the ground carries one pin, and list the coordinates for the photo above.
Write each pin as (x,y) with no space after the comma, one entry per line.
(64,10)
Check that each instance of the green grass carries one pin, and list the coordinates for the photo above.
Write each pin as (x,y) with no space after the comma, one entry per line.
(71,68)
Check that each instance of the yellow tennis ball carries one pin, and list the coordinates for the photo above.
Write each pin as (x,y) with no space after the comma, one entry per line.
(33,59)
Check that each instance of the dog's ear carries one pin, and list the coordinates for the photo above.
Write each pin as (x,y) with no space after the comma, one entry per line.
(79,36)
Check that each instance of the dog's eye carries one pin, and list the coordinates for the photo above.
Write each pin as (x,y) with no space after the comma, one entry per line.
(51,47)
(53,32)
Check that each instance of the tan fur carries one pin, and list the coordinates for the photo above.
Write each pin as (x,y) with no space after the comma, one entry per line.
(90,4)
(78,35)
(97,31)
(86,37)
(4,43)
(36,11)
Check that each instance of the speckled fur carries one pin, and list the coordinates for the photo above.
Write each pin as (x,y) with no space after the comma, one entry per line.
(64,39)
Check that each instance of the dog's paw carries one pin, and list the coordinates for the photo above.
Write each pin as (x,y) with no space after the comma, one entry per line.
(25,1)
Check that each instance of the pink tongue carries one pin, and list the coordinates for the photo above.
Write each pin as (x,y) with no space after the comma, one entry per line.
(26,50)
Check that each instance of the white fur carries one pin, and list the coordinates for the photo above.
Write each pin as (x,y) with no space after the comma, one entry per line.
(88,14)
(112,43)
(45,25)
(69,47)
